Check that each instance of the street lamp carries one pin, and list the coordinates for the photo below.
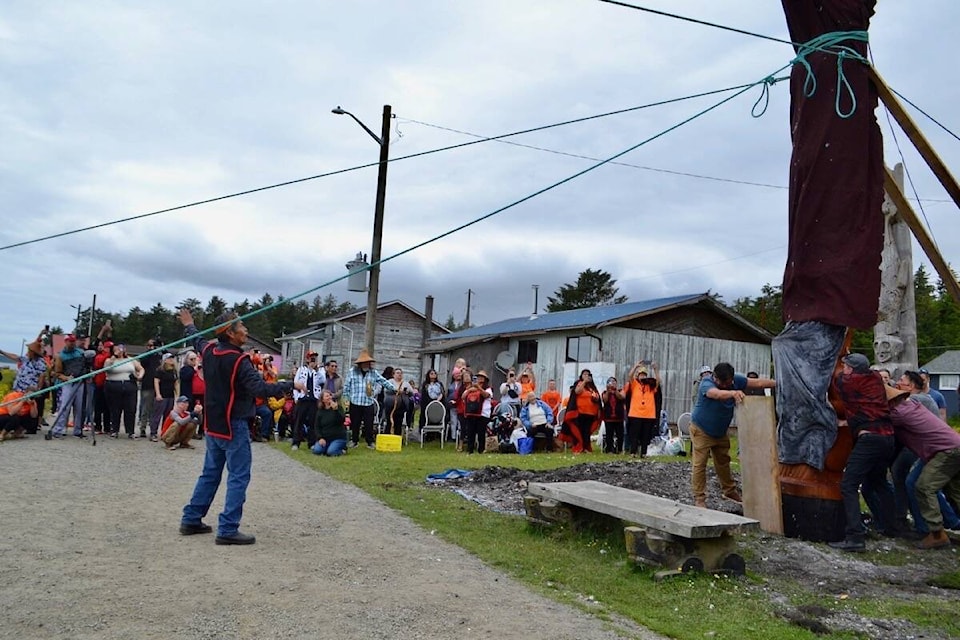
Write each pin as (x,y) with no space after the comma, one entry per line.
(383,140)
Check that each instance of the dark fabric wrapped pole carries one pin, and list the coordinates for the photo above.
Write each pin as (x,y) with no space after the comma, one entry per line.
(832,276)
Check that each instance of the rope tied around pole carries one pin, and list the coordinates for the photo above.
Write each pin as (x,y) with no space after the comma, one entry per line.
(831,43)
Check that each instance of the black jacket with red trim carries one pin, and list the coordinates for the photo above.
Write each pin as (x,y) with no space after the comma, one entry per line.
(232,384)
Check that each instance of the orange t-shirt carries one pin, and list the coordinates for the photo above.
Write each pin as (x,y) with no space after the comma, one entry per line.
(586,405)
(527,387)
(552,398)
(13,396)
(643,402)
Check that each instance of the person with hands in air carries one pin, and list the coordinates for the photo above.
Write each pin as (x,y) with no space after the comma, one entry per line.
(232,386)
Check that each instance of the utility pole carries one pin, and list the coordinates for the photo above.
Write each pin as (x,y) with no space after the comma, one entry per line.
(371,317)
(93,308)
(373,290)
(467,319)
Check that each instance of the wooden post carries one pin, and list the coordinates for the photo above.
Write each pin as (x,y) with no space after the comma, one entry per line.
(939,169)
(759,468)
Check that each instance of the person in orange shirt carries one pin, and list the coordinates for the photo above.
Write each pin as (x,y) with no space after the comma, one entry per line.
(641,391)
(551,396)
(528,381)
(13,409)
(582,417)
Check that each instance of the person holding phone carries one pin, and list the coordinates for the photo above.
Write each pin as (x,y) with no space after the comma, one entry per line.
(640,393)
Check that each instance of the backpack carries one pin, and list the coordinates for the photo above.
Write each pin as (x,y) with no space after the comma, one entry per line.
(473,402)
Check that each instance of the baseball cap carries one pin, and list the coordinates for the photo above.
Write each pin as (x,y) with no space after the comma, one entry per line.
(183,399)
(69,338)
(705,369)
(857,361)
(923,371)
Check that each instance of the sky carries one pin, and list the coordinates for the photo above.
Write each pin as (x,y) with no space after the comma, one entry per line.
(110,110)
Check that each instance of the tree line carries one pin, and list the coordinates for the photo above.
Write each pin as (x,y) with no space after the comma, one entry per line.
(137,325)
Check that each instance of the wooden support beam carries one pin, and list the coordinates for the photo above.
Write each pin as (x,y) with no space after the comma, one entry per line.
(905,210)
(916,136)
(939,169)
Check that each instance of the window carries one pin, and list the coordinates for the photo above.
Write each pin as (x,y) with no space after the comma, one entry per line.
(527,351)
(580,348)
(948,381)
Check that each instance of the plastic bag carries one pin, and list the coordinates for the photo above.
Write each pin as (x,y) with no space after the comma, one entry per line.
(525,446)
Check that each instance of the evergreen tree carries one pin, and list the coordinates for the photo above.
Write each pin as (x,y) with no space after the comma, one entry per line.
(592,289)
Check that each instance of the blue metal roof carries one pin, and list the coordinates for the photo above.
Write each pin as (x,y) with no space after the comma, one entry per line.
(573,319)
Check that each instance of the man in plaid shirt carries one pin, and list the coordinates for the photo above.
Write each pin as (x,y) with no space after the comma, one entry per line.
(360,389)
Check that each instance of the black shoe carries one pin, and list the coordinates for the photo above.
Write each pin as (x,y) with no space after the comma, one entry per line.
(194,529)
(236,538)
(48,435)
(849,544)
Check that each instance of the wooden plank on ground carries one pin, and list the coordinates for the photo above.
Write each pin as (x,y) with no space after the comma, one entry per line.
(759,468)
(644,509)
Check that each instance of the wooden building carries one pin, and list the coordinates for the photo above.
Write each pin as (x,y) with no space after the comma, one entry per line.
(401,332)
(680,333)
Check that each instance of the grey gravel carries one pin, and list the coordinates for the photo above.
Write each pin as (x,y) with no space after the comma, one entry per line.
(90,549)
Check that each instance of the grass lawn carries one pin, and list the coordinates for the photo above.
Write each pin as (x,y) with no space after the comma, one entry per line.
(588,569)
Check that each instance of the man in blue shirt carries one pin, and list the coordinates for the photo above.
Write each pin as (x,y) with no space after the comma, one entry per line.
(933,393)
(717,396)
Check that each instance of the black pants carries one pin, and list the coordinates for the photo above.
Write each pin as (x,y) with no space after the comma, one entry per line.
(361,415)
(304,421)
(639,433)
(122,398)
(475,433)
(867,464)
(613,436)
(101,409)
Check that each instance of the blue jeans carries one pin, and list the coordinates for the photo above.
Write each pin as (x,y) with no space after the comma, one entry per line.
(71,397)
(332,448)
(266,421)
(950,518)
(235,453)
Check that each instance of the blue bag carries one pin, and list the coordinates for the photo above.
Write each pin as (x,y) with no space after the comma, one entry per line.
(525,446)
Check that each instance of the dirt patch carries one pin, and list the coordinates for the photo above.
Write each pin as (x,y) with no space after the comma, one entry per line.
(783,567)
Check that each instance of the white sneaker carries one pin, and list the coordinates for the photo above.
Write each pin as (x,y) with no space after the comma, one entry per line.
(294,447)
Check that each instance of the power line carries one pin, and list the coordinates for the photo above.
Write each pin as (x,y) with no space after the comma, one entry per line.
(700,22)
(328,174)
(568,154)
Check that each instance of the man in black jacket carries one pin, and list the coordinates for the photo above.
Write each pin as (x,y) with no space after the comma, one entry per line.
(232,386)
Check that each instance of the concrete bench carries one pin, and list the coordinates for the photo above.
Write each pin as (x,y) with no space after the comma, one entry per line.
(661,532)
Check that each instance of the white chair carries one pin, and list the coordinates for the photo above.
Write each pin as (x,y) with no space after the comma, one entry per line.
(683,427)
(376,417)
(435,421)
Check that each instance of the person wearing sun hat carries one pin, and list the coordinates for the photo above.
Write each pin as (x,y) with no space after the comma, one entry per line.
(938,446)
(359,388)
(31,371)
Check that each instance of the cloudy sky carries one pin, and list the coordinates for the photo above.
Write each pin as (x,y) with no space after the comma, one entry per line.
(111,109)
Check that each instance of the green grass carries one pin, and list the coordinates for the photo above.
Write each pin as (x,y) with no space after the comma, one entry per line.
(587,568)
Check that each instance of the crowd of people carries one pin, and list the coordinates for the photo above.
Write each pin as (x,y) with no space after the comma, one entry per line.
(905,460)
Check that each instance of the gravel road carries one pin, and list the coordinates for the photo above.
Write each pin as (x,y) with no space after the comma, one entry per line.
(90,549)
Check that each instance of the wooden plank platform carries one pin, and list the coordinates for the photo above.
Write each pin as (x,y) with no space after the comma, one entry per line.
(644,509)
(659,532)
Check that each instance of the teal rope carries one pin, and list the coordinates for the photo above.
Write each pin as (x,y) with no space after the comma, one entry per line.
(830,43)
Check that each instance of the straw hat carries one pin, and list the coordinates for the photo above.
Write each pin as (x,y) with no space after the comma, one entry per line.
(483,373)
(363,357)
(893,393)
(35,347)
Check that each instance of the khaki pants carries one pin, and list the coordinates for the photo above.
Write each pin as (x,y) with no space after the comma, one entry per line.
(179,435)
(705,446)
(942,472)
